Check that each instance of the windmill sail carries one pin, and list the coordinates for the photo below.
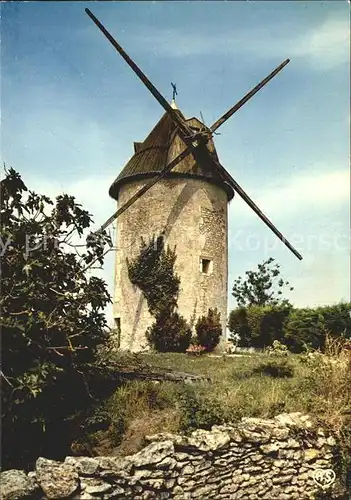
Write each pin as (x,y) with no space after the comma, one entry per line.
(195,142)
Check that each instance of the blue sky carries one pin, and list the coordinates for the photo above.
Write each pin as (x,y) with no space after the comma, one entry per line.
(71,109)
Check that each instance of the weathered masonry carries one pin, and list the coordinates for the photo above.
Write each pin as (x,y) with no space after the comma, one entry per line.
(285,458)
(189,208)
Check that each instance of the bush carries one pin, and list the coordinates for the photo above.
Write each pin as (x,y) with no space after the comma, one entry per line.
(299,329)
(238,326)
(209,329)
(52,321)
(278,349)
(259,326)
(306,328)
(169,333)
(275,369)
(198,411)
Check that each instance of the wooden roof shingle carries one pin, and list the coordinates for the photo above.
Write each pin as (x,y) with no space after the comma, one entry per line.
(161,146)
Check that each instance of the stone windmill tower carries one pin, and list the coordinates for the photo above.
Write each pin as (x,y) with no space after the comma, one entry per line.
(175,185)
(189,207)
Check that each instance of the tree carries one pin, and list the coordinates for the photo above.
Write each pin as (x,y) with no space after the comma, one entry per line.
(209,329)
(261,288)
(52,318)
(169,333)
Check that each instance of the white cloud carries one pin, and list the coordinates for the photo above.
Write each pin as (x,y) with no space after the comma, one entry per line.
(326,45)
(322,46)
(324,190)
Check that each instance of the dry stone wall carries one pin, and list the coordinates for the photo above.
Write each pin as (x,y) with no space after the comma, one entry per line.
(252,460)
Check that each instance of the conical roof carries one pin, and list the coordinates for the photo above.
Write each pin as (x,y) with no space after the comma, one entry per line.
(161,146)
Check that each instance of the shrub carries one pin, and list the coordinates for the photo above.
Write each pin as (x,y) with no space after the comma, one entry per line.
(300,329)
(238,326)
(198,410)
(169,333)
(51,322)
(209,329)
(278,349)
(275,369)
(259,326)
(306,328)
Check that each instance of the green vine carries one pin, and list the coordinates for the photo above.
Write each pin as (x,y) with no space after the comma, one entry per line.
(153,272)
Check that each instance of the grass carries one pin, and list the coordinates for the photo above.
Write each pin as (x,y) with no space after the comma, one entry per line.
(246,386)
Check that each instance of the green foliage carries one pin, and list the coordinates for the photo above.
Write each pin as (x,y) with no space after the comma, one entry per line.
(275,368)
(298,329)
(51,322)
(306,328)
(153,272)
(259,326)
(262,287)
(209,329)
(278,349)
(169,333)
(239,327)
(198,410)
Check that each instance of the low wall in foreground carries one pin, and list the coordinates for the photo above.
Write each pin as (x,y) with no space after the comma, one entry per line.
(282,458)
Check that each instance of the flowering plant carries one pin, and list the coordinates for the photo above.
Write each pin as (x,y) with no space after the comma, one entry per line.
(196,350)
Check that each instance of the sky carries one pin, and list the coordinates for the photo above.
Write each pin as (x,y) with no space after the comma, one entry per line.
(71,109)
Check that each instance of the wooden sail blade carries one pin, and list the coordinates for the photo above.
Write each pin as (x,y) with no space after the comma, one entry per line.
(248,96)
(238,189)
(158,96)
(147,186)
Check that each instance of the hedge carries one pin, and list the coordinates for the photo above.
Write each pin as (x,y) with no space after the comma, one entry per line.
(259,326)
(299,329)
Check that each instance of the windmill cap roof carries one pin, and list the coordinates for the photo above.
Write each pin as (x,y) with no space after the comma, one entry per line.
(160,147)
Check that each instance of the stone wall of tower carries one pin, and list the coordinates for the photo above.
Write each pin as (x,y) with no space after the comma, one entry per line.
(193,215)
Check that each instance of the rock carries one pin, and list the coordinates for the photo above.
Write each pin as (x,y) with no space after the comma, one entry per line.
(15,485)
(292,443)
(188,469)
(95,486)
(114,465)
(253,459)
(86,466)
(209,440)
(321,441)
(270,448)
(56,479)
(311,454)
(153,453)
(331,441)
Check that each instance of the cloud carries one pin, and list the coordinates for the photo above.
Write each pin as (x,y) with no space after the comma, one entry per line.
(323,46)
(326,190)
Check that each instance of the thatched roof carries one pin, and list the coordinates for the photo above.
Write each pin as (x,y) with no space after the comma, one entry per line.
(161,146)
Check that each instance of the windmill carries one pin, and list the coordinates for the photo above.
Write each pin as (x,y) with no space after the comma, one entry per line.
(190,152)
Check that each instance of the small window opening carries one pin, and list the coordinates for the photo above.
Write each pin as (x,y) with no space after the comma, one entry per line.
(206,266)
